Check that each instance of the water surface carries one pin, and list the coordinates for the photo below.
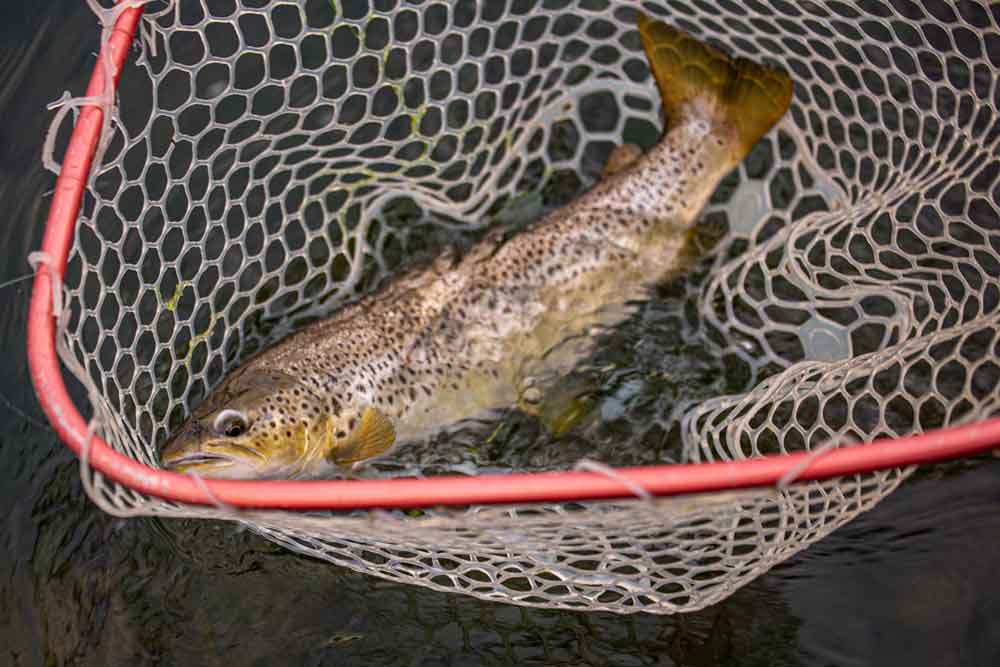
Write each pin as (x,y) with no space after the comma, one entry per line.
(912,582)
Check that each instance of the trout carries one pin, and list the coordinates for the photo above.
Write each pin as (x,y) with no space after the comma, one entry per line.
(497,325)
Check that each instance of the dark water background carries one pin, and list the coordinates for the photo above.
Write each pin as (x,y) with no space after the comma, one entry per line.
(914,582)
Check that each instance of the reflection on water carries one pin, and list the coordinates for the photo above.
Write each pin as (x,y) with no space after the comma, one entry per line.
(910,583)
(914,583)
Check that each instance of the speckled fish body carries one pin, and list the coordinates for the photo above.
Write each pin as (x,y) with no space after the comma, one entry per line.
(463,335)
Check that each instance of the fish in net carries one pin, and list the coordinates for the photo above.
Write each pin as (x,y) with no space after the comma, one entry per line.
(267,162)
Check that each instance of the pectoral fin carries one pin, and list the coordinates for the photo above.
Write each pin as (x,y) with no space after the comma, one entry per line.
(373,436)
(561,404)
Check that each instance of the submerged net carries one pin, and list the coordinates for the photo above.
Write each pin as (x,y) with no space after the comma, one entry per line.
(270,160)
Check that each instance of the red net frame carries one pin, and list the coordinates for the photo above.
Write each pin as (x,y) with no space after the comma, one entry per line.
(661,480)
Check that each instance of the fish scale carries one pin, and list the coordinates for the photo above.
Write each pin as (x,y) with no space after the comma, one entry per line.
(465,334)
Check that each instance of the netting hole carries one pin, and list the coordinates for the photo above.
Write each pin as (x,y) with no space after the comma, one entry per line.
(223,39)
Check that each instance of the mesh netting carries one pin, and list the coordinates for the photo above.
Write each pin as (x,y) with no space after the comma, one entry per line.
(270,160)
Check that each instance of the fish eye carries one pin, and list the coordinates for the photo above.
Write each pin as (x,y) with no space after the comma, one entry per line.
(231,423)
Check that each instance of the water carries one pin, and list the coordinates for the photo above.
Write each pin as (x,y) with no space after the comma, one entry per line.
(911,582)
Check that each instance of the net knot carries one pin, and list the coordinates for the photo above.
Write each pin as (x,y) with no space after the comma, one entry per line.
(796,470)
(223,507)
(636,489)
(67,103)
(107,17)
(38,258)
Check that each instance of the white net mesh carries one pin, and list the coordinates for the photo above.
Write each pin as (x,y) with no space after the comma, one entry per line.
(270,160)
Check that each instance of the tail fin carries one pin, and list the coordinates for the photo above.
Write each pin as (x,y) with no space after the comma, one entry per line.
(739,94)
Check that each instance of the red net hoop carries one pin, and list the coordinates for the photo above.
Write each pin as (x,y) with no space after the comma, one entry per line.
(135,481)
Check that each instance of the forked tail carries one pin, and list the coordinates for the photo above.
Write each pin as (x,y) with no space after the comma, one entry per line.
(742,97)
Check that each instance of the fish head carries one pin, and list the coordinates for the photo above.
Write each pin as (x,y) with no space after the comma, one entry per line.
(259,423)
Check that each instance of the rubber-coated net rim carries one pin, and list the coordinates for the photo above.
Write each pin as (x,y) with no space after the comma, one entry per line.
(661,480)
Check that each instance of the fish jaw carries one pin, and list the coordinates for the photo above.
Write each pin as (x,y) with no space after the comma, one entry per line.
(190,452)
(221,467)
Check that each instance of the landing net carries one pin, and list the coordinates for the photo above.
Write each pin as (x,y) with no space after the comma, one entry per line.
(263,162)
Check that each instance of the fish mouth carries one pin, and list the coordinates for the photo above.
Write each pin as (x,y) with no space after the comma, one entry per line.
(182,457)
(242,449)
(198,460)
